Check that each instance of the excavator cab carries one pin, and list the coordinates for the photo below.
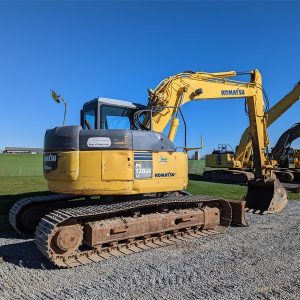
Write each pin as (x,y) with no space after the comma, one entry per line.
(222,148)
(104,113)
(287,159)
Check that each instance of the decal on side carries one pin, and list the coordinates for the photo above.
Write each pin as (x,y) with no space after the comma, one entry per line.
(237,92)
(142,165)
(50,161)
(169,174)
(163,159)
(99,142)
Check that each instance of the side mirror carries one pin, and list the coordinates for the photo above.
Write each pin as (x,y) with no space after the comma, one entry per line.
(55,96)
(59,99)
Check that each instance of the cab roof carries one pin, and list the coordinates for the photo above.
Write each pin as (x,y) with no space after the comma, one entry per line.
(115,102)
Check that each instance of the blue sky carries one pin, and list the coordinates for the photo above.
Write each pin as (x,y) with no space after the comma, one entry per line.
(119,49)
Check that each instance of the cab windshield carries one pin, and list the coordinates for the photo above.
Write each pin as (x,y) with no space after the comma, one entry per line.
(114,117)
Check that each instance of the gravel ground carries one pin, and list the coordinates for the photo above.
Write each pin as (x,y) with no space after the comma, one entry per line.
(258,262)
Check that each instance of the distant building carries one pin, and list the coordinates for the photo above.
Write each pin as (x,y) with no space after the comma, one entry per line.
(22,150)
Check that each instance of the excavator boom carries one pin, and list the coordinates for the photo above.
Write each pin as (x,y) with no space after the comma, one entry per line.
(244,149)
(177,90)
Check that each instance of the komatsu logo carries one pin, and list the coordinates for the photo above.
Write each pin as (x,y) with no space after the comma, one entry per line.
(237,92)
(50,157)
(169,174)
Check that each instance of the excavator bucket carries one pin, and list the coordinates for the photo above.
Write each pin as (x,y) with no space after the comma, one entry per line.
(266,197)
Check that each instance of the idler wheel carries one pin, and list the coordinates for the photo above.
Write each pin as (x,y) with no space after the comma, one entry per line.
(67,239)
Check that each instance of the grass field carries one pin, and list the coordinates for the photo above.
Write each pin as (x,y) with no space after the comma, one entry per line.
(14,187)
(21,165)
(24,160)
(20,176)
(18,185)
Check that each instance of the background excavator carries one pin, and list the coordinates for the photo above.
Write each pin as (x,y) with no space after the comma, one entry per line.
(237,167)
(287,158)
(119,181)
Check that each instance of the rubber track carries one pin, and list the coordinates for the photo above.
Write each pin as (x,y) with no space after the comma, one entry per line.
(20,204)
(49,224)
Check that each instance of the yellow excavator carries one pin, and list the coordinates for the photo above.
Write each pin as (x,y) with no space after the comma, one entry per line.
(225,165)
(120,183)
(287,158)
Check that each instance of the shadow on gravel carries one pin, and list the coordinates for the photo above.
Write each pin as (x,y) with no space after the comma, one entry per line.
(6,202)
(10,234)
(24,254)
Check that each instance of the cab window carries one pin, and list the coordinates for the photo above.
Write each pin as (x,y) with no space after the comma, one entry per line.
(90,120)
(114,117)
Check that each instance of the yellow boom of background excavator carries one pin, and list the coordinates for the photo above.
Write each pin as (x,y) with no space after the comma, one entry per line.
(237,167)
(121,154)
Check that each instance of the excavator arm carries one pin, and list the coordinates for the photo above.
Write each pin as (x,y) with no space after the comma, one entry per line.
(285,141)
(175,91)
(244,149)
